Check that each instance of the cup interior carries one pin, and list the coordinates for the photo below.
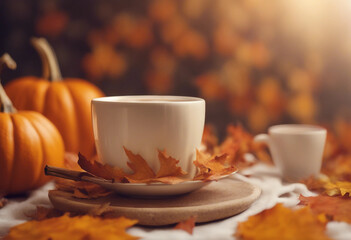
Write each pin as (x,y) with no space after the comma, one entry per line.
(296,129)
(147,99)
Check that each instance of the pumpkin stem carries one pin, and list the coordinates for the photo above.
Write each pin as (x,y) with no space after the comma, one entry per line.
(5,102)
(51,68)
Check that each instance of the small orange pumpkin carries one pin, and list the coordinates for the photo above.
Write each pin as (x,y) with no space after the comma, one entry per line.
(28,141)
(65,103)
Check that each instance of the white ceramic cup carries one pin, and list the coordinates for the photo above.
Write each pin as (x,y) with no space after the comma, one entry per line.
(296,149)
(144,124)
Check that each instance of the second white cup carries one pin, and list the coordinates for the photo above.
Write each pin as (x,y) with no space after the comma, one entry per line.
(296,149)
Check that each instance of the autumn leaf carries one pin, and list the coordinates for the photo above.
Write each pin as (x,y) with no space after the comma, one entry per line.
(42,213)
(282,223)
(187,225)
(101,170)
(80,227)
(328,186)
(212,168)
(168,166)
(71,161)
(142,170)
(336,208)
(83,190)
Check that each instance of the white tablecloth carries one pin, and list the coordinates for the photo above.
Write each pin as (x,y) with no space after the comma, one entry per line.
(266,177)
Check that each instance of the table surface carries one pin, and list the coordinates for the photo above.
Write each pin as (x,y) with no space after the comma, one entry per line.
(274,191)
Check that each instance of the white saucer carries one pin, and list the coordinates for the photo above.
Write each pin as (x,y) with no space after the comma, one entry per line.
(146,190)
(151,190)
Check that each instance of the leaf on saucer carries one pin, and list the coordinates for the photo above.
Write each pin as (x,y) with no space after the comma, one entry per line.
(187,225)
(79,227)
(335,208)
(168,166)
(82,190)
(169,172)
(280,222)
(71,161)
(141,169)
(101,170)
(212,167)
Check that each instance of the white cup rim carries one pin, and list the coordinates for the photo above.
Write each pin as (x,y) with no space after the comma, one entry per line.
(149,99)
(299,129)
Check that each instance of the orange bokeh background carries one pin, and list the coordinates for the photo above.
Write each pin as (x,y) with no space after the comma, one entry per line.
(255,62)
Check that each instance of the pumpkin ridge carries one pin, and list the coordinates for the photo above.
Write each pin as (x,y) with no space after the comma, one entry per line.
(18,177)
(6,175)
(67,131)
(28,116)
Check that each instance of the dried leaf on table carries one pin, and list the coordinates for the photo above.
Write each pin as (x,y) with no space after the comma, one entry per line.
(238,143)
(280,222)
(338,168)
(336,208)
(328,186)
(101,170)
(3,202)
(83,190)
(80,227)
(187,225)
(212,167)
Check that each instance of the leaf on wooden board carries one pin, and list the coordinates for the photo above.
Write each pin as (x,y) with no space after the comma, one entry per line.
(187,225)
(79,227)
(101,170)
(42,213)
(82,190)
(280,222)
(335,208)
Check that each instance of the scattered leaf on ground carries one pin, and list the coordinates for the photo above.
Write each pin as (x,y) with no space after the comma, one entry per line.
(335,208)
(283,223)
(187,225)
(80,227)
(327,186)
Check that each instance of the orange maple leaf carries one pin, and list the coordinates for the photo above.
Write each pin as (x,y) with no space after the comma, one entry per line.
(142,170)
(80,227)
(101,170)
(212,168)
(187,225)
(168,166)
(280,222)
(336,208)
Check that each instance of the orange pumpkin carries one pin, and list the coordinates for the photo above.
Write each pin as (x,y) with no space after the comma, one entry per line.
(65,102)
(28,141)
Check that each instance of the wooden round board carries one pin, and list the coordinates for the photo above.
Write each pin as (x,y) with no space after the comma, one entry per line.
(215,201)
